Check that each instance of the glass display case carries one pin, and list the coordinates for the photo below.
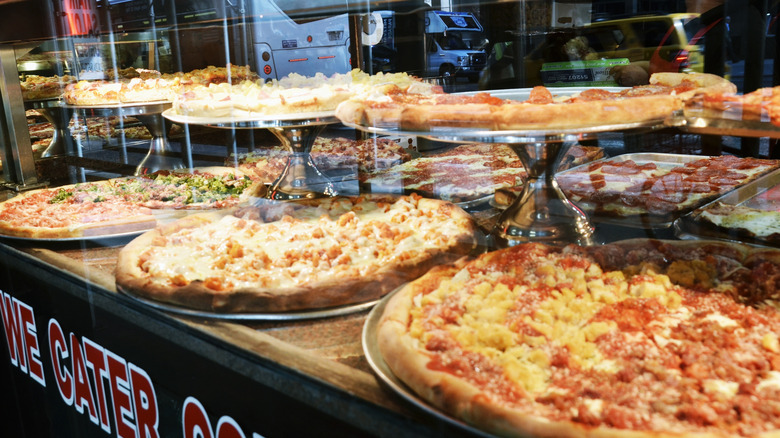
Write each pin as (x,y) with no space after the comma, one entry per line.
(91,353)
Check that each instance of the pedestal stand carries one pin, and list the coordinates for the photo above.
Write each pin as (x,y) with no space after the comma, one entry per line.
(542,213)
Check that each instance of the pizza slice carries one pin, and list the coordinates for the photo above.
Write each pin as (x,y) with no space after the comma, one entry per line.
(541,111)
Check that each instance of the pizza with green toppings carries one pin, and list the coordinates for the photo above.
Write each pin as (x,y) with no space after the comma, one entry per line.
(120,205)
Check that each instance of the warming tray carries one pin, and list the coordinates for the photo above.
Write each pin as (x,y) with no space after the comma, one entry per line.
(761,194)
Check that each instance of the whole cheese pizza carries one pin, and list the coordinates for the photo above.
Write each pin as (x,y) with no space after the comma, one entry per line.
(139,85)
(627,188)
(638,339)
(119,205)
(665,94)
(292,94)
(294,256)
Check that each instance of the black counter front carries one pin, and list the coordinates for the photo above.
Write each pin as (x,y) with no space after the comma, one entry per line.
(83,360)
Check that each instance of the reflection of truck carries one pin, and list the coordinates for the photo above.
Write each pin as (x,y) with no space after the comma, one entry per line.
(306,45)
(454,43)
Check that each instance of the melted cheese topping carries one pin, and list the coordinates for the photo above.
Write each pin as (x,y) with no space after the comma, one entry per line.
(549,332)
(338,239)
(759,223)
(292,94)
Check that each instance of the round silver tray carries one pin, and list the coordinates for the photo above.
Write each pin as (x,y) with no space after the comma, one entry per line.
(254,316)
(54,102)
(472,135)
(126,109)
(259,121)
(98,238)
(388,378)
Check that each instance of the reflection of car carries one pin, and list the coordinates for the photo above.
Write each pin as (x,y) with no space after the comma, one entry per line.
(666,42)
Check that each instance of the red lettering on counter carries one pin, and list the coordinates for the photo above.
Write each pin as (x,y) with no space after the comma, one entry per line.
(82,390)
(228,428)
(195,422)
(21,336)
(13,334)
(58,351)
(95,359)
(145,402)
(119,385)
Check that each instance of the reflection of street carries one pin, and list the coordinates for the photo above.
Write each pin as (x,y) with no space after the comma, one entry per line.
(738,74)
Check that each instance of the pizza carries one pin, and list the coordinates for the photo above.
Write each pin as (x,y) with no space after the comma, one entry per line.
(136,90)
(364,156)
(628,188)
(542,110)
(294,256)
(120,205)
(762,105)
(464,173)
(140,85)
(639,338)
(35,87)
(740,222)
(290,95)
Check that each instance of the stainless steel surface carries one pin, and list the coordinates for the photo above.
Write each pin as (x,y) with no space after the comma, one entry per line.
(388,378)
(256,316)
(15,148)
(300,178)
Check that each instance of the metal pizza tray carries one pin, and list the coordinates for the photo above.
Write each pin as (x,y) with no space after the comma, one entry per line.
(729,122)
(662,160)
(388,378)
(255,122)
(687,226)
(252,316)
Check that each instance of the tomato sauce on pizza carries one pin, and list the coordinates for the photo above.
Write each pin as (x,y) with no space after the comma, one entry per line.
(646,338)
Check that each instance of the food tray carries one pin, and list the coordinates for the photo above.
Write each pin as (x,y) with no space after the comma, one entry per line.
(389,380)
(644,220)
(749,195)
(253,316)
(729,122)
(258,121)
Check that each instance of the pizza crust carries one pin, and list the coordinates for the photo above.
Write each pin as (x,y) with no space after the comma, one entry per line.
(708,83)
(330,291)
(541,111)
(414,364)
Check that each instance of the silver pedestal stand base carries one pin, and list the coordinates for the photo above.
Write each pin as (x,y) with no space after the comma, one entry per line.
(159,156)
(542,213)
(300,179)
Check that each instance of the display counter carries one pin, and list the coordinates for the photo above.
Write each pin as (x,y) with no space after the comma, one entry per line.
(171,375)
